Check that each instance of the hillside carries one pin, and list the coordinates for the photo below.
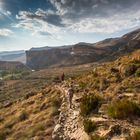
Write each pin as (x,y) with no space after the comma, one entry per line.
(13,56)
(34,101)
(82,53)
(106,103)
(12,66)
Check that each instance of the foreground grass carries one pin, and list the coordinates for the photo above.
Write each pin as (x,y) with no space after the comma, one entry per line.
(31,117)
(122,109)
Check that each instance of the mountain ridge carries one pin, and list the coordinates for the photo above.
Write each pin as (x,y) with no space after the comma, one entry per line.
(82,53)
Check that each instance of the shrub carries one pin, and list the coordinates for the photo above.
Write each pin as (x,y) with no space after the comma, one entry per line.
(130,70)
(4,133)
(82,85)
(137,73)
(56,102)
(38,127)
(31,131)
(23,116)
(89,126)
(89,103)
(96,137)
(103,84)
(134,136)
(123,108)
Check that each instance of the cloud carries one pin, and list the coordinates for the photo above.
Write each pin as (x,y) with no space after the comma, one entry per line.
(108,25)
(37,27)
(90,16)
(5,32)
(4,13)
(47,16)
(77,9)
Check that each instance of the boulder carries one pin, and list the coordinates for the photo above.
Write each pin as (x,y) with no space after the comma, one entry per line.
(56,135)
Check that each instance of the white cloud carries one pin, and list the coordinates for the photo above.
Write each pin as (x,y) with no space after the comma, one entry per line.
(108,25)
(42,22)
(5,32)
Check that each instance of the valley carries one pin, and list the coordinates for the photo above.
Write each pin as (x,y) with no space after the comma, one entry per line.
(106,84)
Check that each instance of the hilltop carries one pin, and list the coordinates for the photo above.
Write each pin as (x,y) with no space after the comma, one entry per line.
(82,53)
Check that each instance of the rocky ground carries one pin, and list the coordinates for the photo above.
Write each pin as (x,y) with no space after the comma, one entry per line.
(69,125)
(118,81)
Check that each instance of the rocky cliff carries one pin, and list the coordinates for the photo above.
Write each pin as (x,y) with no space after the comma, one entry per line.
(109,49)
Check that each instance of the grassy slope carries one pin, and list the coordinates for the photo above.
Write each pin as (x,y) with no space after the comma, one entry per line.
(34,99)
(112,86)
(29,106)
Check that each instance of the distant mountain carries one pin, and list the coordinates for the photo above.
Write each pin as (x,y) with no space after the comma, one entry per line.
(81,53)
(12,66)
(13,56)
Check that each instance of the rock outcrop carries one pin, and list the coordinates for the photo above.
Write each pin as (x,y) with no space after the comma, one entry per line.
(106,50)
(63,56)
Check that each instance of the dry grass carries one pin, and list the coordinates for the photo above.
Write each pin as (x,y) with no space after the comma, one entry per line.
(30,117)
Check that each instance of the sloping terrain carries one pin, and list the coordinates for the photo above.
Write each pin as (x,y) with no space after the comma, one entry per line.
(12,66)
(13,56)
(30,117)
(106,103)
(29,106)
(82,53)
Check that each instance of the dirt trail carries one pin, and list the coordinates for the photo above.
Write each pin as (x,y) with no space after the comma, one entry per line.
(69,124)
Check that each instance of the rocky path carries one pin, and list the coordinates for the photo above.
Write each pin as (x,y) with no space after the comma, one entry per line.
(69,125)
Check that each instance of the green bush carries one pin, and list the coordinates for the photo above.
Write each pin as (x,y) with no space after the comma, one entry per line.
(13,77)
(96,137)
(3,73)
(56,102)
(82,85)
(2,136)
(130,70)
(137,73)
(38,127)
(123,108)
(4,133)
(89,103)
(134,136)
(89,126)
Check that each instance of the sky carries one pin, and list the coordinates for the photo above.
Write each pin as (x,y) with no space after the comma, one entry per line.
(36,23)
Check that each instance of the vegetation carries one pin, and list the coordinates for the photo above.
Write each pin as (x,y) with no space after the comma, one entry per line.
(96,137)
(89,126)
(134,136)
(130,69)
(35,101)
(122,109)
(32,116)
(89,103)
(23,115)
(13,75)
(137,73)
